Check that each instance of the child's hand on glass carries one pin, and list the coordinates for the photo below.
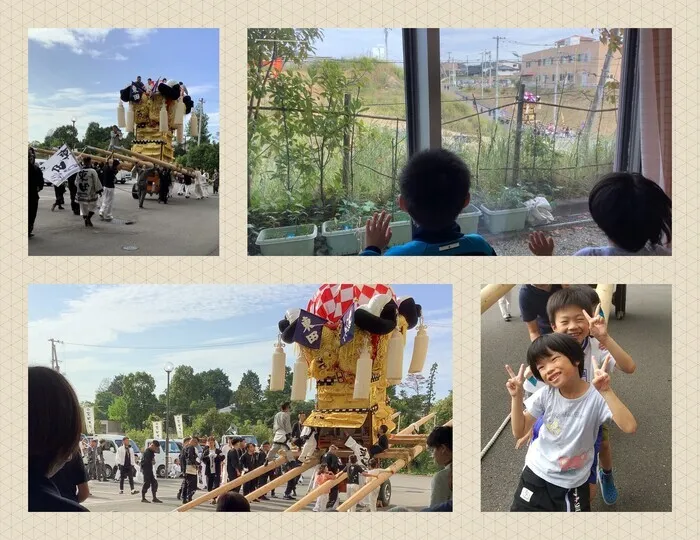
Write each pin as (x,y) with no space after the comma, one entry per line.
(540,244)
(377,231)
(601,377)
(514,385)
(597,324)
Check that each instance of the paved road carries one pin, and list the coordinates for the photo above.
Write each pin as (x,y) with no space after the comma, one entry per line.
(642,462)
(410,491)
(183,227)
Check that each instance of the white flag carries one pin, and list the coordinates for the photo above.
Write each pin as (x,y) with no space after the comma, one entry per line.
(158,430)
(89,420)
(60,166)
(179,426)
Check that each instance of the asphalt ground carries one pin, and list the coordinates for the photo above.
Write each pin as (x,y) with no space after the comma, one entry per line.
(642,461)
(183,227)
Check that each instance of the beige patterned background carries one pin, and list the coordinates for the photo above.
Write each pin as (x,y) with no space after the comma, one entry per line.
(17,270)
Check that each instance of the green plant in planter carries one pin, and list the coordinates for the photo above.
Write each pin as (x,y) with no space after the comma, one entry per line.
(352,215)
(508,198)
(300,230)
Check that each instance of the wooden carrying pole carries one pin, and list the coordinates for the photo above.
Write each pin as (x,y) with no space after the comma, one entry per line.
(491,294)
(155,161)
(315,493)
(286,477)
(381,478)
(120,157)
(228,486)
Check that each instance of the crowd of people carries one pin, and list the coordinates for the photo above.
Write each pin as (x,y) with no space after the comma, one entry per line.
(92,188)
(60,467)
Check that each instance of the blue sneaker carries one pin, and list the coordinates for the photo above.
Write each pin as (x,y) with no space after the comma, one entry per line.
(607,487)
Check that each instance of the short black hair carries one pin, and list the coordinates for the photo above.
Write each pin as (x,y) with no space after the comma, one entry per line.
(284,406)
(55,418)
(353,458)
(440,436)
(435,185)
(545,345)
(156,444)
(186,440)
(232,502)
(383,428)
(373,462)
(266,442)
(631,210)
(576,295)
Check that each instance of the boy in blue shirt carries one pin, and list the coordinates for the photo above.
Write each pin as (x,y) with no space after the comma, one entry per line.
(434,189)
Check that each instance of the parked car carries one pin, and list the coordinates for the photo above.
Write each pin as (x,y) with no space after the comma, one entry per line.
(112,442)
(123,177)
(246,438)
(173,452)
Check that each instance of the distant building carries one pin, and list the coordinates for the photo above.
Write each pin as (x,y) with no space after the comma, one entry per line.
(379,52)
(579,59)
(228,409)
(110,426)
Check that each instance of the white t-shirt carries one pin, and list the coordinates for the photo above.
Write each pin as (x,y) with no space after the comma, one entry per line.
(563,452)
(591,348)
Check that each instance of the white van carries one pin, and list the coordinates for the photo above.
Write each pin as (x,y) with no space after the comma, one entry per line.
(112,442)
(173,453)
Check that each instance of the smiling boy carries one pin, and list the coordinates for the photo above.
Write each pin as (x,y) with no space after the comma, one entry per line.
(559,461)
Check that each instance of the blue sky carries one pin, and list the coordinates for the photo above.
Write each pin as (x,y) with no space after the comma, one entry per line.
(237,325)
(464,44)
(79,72)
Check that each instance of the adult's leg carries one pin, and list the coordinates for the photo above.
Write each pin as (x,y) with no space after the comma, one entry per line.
(154,485)
(131,478)
(33,208)
(146,484)
(121,471)
(108,203)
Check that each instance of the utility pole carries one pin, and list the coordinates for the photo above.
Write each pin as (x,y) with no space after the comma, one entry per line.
(482,74)
(54,355)
(556,85)
(201,113)
(386,43)
(498,40)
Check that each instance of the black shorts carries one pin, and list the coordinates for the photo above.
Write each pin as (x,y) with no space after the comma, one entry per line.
(537,495)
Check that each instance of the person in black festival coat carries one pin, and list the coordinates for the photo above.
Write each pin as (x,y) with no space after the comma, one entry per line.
(149,479)
(333,461)
(36,184)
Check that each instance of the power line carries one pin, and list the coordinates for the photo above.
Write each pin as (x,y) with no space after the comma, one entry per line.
(197,347)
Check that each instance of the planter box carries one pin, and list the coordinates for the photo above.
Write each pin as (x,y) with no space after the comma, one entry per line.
(343,241)
(468,220)
(287,241)
(401,232)
(499,221)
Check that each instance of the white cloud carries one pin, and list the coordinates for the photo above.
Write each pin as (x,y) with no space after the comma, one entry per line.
(136,37)
(120,57)
(76,39)
(199,89)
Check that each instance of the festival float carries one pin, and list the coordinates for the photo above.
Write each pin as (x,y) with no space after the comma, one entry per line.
(155,115)
(349,341)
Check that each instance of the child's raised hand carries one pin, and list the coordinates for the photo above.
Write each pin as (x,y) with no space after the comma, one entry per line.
(523,440)
(597,324)
(540,244)
(601,378)
(377,231)
(514,385)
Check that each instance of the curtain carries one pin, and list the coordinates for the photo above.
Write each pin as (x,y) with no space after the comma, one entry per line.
(655,105)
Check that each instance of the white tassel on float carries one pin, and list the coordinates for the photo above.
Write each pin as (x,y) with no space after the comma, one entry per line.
(163,119)
(180,136)
(130,119)
(299,380)
(194,126)
(121,115)
(179,112)
(420,349)
(394,370)
(278,371)
(363,375)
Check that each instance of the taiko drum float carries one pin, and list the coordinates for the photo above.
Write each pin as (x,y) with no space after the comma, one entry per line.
(350,339)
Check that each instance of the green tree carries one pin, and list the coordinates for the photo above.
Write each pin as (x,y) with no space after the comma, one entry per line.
(265,47)
(96,136)
(204,157)
(248,396)
(185,388)
(62,135)
(202,405)
(139,398)
(118,412)
(217,385)
(443,410)
(212,422)
(116,386)
(430,387)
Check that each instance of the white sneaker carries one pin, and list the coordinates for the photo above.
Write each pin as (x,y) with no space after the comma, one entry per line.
(121,492)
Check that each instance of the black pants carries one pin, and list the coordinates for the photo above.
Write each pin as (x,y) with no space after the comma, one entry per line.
(33,208)
(213,482)
(534,494)
(163,191)
(292,484)
(250,486)
(333,496)
(374,450)
(190,487)
(73,192)
(149,481)
(59,192)
(126,471)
